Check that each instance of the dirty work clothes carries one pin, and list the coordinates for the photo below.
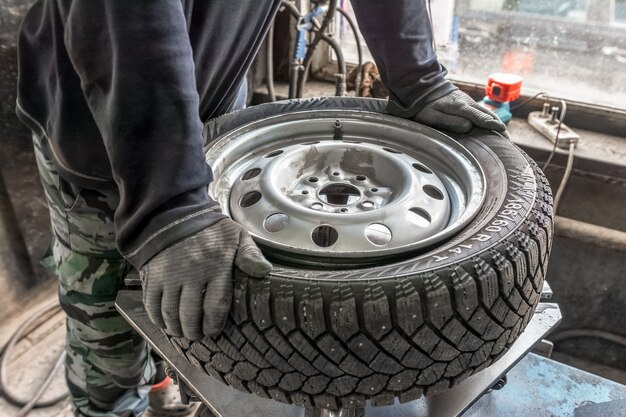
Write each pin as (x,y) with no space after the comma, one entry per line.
(108,365)
(119,89)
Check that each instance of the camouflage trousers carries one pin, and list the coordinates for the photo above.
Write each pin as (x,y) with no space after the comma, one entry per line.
(108,366)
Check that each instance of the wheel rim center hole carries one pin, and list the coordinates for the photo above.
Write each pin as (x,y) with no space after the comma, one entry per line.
(340,194)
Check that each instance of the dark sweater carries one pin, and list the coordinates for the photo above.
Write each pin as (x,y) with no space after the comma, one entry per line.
(119,89)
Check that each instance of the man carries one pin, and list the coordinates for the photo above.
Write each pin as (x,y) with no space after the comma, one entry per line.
(116,93)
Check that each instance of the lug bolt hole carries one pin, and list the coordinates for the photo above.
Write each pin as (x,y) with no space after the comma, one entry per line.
(433,192)
(391,150)
(422,168)
(368,204)
(324,236)
(250,199)
(360,178)
(274,153)
(276,222)
(313,179)
(378,234)
(251,173)
(374,190)
(419,216)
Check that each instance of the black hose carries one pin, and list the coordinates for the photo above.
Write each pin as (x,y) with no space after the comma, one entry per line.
(332,6)
(297,78)
(591,333)
(292,9)
(359,50)
(269,63)
(19,334)
(341,67)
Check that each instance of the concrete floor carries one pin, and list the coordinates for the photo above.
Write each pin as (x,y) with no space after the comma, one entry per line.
(35,355)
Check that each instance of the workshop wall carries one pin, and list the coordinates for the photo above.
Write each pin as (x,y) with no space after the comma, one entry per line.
(18,169)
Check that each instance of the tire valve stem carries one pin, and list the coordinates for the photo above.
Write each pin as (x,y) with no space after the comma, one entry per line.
(338,130)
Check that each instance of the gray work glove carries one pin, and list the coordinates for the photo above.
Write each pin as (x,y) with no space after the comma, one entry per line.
(187,287)
(459,113)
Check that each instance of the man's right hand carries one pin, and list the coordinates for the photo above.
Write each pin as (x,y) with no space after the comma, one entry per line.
(188,287)
(459,113)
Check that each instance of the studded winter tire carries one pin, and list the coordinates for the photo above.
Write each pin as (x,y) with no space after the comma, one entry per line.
(352,314)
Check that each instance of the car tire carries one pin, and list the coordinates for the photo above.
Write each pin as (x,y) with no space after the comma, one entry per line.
(336,338)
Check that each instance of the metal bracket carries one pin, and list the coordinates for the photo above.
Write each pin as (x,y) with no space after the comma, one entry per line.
(320,412)
(546,291)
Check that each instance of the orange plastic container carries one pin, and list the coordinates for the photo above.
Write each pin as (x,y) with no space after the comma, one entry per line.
(503,87)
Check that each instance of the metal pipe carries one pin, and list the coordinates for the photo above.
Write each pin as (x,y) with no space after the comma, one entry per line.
(359,51)
(269,63)
(294,68)
(294,72)
(591,234)
(341,88)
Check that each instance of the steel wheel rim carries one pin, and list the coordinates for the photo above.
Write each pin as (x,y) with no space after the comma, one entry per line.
(336,186)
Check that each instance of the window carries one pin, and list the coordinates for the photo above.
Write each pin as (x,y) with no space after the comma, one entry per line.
(619,14)
(575,49)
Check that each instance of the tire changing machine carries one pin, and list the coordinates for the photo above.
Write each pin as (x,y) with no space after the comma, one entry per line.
(536,386)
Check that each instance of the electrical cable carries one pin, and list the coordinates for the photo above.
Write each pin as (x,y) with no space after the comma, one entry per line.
(359,50)
(591,333)
(21,332)
(269,63)
(553,151)
(566,175)
(525,102)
